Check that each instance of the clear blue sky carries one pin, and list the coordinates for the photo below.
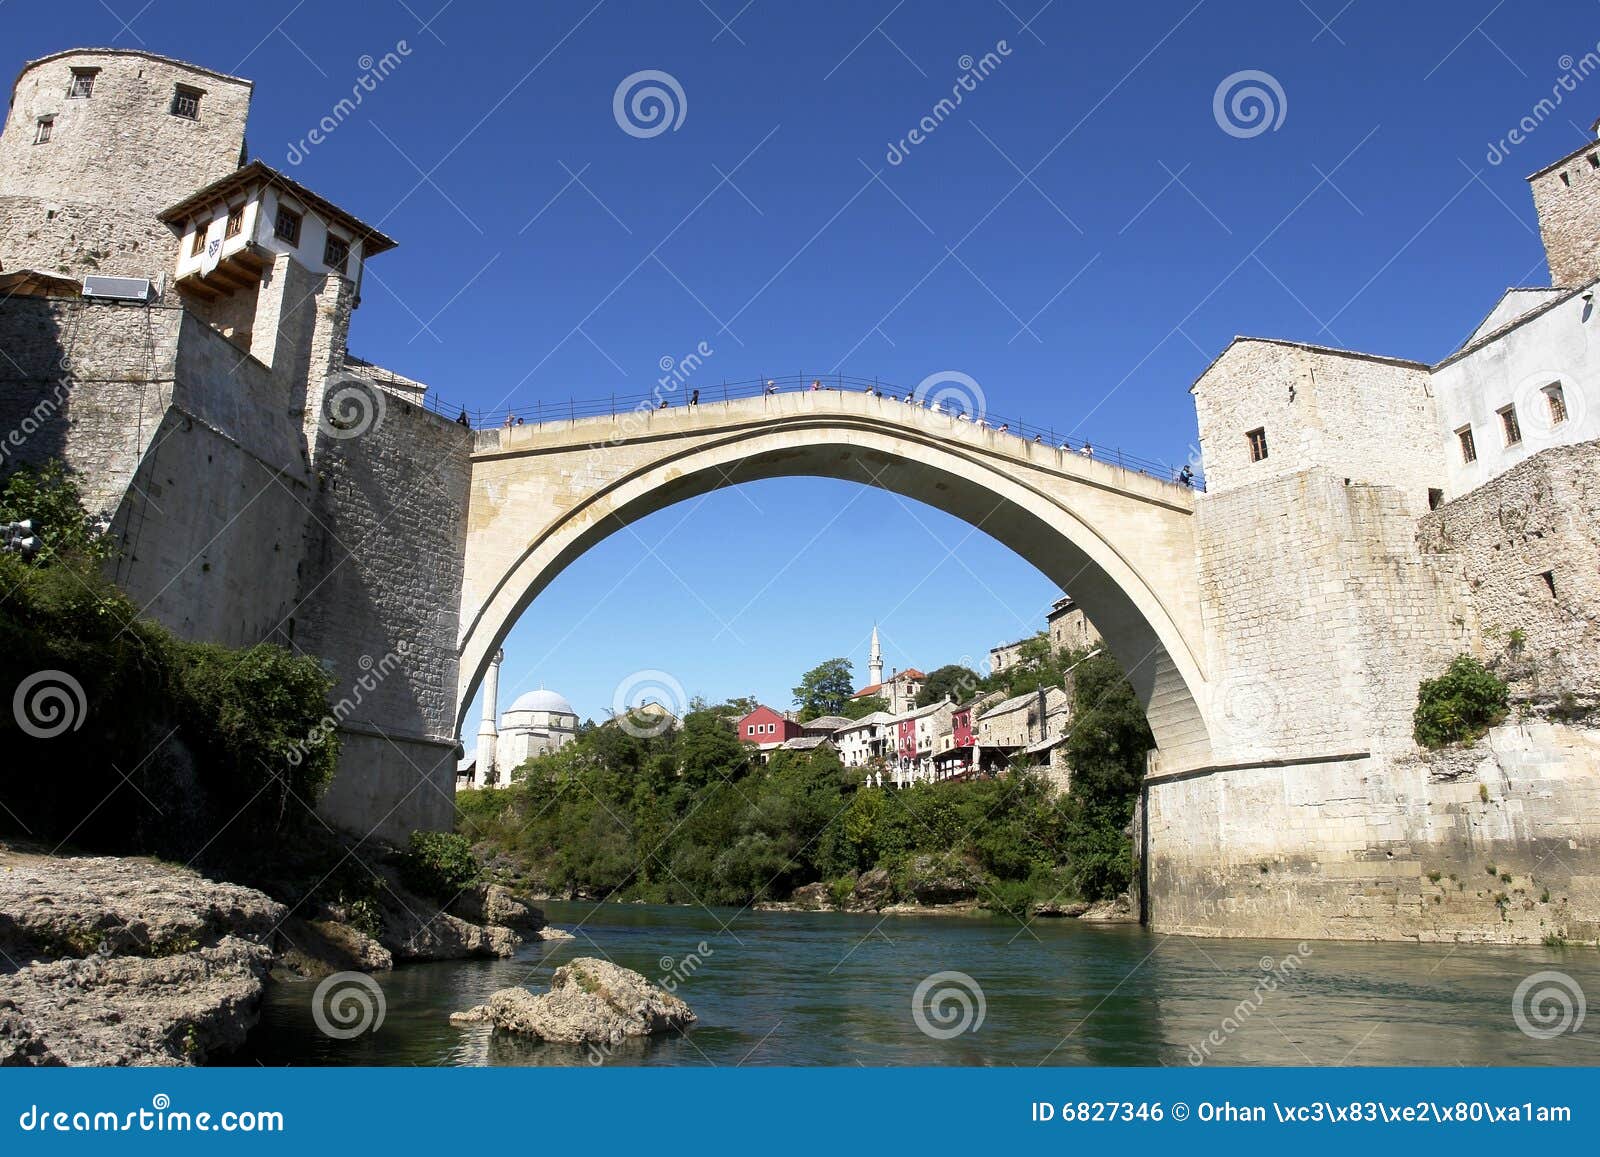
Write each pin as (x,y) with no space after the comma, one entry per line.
(1087,297)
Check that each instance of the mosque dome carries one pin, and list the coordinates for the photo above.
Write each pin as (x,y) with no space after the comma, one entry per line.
(542,700)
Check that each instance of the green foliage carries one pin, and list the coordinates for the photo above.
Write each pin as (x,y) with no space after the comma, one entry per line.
(49,498)
(825,689)
(861,708)
(1459,706)
(165,742)
(952,681)
(439,865)
(689,817)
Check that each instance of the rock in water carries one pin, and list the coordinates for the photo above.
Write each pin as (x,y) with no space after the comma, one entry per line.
(590,1001)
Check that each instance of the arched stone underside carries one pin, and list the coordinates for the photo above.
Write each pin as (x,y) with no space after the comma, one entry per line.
(1120,542)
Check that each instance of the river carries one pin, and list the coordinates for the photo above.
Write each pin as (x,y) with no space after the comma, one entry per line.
(801,988)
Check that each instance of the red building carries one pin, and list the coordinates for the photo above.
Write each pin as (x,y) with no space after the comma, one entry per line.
(906,747)
(766,728)
(961,727)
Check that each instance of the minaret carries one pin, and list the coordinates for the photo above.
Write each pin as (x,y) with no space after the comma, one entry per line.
(875,659)
(488,733)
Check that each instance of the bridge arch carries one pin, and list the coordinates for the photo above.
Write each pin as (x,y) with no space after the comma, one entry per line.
(1120,542)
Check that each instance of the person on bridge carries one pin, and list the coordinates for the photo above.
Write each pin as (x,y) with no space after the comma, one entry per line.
(816,384)
(462,420)
(1186,476)
(1088,450)
(694,397)
(1003,427)
(511,419)
(772,387)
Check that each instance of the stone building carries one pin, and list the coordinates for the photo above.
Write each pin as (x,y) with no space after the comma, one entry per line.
(1067,628)
(868,740)
(260,484)
(97,143)
(536,723)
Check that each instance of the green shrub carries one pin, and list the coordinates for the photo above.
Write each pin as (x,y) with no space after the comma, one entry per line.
(1459,706)
(439,864)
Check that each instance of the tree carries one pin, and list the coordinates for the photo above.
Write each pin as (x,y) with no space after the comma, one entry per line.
(825,689)
(952,681)
(866,705)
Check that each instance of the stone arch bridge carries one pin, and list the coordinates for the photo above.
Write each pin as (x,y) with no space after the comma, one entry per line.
(1122,542)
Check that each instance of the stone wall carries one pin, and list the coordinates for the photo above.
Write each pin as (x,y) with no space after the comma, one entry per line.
(1321,617)
(383,580)
(1526,548)
(1498,843)
(197,453)
(1567,198)
(75,239)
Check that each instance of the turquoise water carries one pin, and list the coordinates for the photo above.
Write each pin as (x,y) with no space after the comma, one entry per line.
(836,989)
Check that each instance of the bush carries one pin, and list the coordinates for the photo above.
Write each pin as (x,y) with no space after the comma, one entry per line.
(1459,706)
(439,865)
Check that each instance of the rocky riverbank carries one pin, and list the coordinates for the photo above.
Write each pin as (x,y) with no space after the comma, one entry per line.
(933,886)
(131,961)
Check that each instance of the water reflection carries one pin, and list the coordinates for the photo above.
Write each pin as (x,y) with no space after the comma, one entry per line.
(832,989)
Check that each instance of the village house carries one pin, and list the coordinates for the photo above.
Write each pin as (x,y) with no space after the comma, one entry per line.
(866,741)
(767,730)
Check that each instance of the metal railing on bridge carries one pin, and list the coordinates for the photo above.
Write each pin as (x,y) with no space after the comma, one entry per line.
(685,393)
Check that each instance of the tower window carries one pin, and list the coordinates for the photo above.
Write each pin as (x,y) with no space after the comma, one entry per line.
(186,102)
(1594,160)
(336,253)
(41,135)
(82,82)
(235,222)
(1509,423)
(1556,399)
(1257,439)
(1469,448)
(1549,577)
(198,245)
(1565,179)
(287,226)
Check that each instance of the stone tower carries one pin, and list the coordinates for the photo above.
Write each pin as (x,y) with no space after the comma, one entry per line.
(97,143)
(875,660)
(1566,194)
